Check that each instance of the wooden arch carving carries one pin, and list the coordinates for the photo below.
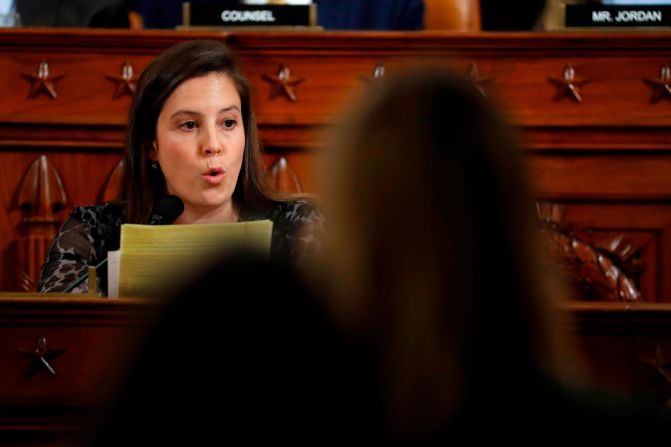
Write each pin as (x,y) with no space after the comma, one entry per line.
(112,188)
(40,196)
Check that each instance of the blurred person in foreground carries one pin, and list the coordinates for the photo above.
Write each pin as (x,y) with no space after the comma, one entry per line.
(245,355)
(191,133)
(434,265)
(427,322)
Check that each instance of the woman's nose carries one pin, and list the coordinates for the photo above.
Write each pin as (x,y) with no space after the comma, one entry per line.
(211,143)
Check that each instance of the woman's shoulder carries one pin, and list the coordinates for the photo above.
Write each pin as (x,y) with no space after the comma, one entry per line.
(109,213)
(295,211)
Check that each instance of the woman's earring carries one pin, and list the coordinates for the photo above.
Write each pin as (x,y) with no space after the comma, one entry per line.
(154,165)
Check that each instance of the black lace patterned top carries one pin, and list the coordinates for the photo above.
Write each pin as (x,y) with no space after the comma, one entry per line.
(91,231)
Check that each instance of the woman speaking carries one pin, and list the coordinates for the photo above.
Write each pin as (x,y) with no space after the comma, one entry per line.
(192,134)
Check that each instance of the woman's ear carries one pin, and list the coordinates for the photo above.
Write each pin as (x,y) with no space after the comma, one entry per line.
(153,154)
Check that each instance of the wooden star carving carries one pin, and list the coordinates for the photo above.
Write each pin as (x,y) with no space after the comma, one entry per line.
(479,81)
(125,83)
(43,81)
(661,87)
(282,84)
(40,356)
(378,72)
(659,363)
(569,85)
(378,75)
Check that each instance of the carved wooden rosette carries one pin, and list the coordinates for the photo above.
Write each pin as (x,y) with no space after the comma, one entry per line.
(283,177)
(604,272)
(40,196)
(112,188)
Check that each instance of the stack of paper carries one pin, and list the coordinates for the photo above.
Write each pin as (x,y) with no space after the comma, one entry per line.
(156,258)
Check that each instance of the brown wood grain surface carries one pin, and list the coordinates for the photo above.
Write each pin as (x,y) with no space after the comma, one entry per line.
(605,158)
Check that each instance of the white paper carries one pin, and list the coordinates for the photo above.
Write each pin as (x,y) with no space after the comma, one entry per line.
(113,258)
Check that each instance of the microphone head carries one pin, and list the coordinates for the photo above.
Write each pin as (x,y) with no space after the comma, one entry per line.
(166,210)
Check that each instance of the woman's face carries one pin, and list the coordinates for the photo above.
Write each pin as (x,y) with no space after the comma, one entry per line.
(200,142)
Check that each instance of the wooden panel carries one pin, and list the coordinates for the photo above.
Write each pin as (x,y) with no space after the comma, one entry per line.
(333,65)
(616,94)
(612,150)
(647,226)
(619,340)
(652,358)
(605,177)
(97,336)
(615,340)
(83,174)
(85,95)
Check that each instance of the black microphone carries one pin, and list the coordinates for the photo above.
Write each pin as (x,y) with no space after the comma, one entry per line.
(165,212)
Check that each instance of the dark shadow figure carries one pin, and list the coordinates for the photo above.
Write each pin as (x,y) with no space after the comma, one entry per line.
(248,355)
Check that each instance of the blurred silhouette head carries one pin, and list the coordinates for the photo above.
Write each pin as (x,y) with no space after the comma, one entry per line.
(243,352)
(431,229)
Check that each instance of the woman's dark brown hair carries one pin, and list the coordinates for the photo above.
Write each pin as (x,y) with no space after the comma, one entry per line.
(143,186)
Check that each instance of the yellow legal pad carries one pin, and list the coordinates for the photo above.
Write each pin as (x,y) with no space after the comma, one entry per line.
(156,258)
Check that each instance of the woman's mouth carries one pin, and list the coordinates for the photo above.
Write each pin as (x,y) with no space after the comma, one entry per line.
(214,176)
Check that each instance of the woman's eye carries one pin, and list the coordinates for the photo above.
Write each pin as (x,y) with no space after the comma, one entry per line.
(189,125)
(229,124)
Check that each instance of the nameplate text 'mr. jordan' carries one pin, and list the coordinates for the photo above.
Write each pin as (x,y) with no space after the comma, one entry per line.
(620,16)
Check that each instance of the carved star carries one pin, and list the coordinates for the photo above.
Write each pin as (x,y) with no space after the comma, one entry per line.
(659,363)
(661,87)
(40,356)
(282,84)
(43,80)
(569,85)
(479,81)
(125,83)
(378,75)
